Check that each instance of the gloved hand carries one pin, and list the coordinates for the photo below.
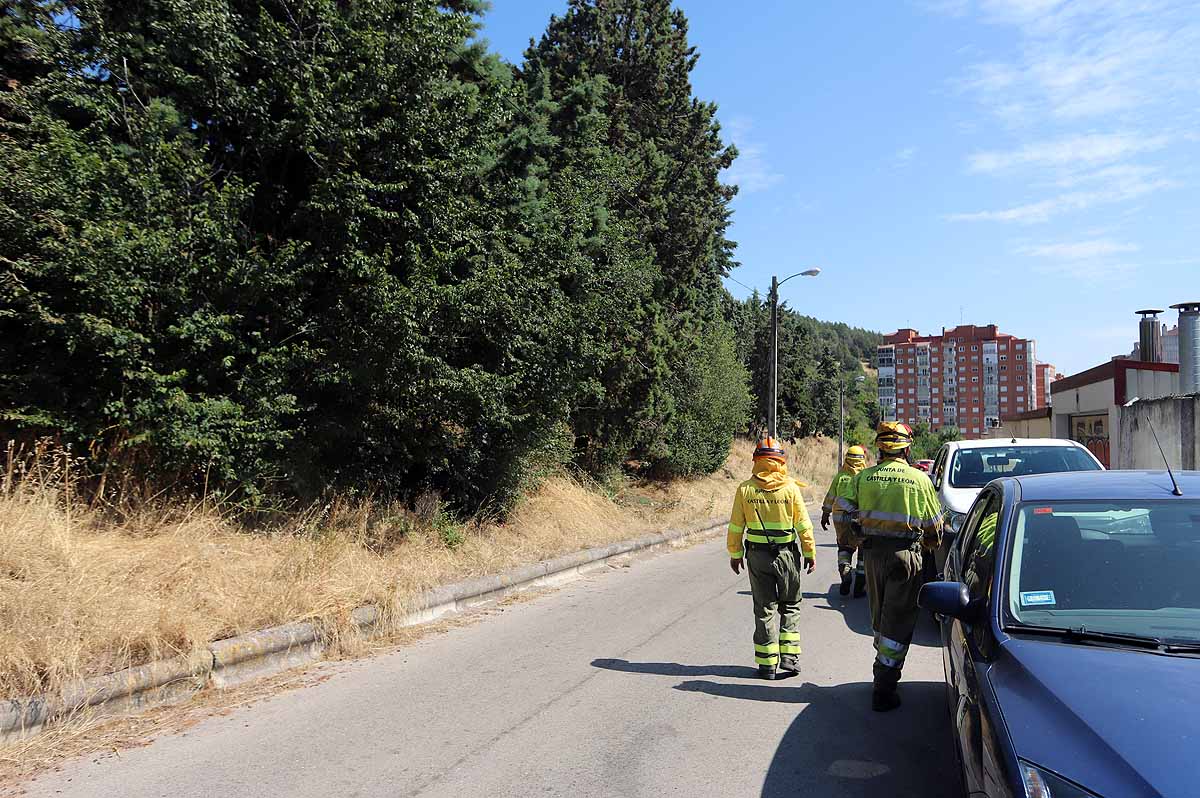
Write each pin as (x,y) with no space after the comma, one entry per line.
(809,565)
(736,564)
(824,520)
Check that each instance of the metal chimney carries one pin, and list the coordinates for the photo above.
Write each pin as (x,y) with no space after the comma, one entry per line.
(1189,346)
(1150,347)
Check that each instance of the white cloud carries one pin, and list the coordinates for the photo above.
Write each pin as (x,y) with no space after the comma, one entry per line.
(751,171)
(1101,92)
(904,157)
(1089,149)
(1089,59)
(1044,210)
(1090,272)
(1079,250)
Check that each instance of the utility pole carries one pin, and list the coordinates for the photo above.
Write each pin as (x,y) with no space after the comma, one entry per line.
(842,414)
(841,418)
(773,378)
(773,369)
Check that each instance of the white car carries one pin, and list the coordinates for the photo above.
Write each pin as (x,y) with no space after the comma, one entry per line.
(962,468)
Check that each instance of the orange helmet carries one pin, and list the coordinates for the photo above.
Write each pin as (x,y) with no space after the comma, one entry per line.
(770,449)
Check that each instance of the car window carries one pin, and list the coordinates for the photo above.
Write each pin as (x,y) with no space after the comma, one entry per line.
(979,546)
(939,466)
(974,468)
(1109,567)
(964,540)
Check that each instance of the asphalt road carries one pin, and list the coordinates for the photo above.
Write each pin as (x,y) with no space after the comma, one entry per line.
(638,681)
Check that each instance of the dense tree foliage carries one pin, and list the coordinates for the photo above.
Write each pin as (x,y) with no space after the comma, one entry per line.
(926,442)
(296,245)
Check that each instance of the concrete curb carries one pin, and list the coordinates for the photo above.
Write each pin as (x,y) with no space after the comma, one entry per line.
(244,658)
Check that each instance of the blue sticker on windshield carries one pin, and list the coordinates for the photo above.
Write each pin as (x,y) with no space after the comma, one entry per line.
(1038,598)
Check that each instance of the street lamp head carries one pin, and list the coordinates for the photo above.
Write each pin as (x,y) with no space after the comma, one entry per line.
(860,378)
(810,273)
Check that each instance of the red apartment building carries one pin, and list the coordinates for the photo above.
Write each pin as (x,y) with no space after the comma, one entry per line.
(968,377)
(1045,375)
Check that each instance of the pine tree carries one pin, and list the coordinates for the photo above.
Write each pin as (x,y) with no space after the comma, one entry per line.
(664,185)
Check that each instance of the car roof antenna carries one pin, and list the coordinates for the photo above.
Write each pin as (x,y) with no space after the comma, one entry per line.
(1150,423)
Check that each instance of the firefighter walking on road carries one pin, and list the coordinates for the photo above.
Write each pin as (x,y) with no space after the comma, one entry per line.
(895,510)
(771,534)
(856,460)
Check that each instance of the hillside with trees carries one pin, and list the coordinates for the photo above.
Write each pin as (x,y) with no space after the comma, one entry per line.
(269,248)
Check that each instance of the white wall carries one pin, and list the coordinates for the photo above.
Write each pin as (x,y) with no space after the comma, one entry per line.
(1177,422)
(1150,384)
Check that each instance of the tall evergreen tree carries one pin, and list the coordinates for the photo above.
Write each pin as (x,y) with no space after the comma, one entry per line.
(634,54)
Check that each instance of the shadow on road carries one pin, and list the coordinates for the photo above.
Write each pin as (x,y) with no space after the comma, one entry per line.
(857,614)
(837,747)
(676,669)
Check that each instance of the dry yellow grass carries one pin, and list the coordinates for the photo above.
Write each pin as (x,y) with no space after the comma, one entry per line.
(81,594)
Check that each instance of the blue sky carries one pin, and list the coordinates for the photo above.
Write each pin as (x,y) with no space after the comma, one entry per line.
(1032,163)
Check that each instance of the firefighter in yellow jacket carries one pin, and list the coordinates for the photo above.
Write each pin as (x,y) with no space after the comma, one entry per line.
(856,460)
(895,510)
(768,519)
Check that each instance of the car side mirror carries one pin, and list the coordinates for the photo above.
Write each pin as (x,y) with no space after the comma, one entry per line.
(950,599)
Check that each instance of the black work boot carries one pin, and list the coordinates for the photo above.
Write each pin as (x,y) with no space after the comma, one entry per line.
(885,701)
(860,586)
(884,697)
(789,662)
(766,672)
(847,578)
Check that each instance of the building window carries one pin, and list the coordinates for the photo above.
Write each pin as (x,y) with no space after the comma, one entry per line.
(974,347)
(1020,389)
(974,379)
(1003,389)
(1004,368)
(1003,358)
(1020,347)
(1020,357)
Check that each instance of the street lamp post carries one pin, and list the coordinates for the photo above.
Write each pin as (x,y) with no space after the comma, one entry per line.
(773,399)
(842,413)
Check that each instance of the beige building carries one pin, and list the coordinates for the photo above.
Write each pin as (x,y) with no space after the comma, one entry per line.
(1030,424)
(1086,407)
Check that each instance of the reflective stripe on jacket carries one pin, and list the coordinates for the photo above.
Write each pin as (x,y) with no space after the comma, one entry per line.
(895,500)
(769,516)
(837,489)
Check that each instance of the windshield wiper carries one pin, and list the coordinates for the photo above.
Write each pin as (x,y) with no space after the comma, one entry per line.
(1080,634)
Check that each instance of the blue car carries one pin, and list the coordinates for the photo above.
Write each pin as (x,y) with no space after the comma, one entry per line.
(1071,636)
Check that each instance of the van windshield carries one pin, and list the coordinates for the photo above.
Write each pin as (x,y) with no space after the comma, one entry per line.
(974,468)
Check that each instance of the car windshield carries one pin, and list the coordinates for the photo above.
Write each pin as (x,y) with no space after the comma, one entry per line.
(974,468)
(1108,567)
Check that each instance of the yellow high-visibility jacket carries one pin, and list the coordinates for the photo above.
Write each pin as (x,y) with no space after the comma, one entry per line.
(769,516)
(837,489)
(895,500)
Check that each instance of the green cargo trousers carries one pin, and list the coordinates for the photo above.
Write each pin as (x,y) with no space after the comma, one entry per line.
(893,582)
(775,586)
